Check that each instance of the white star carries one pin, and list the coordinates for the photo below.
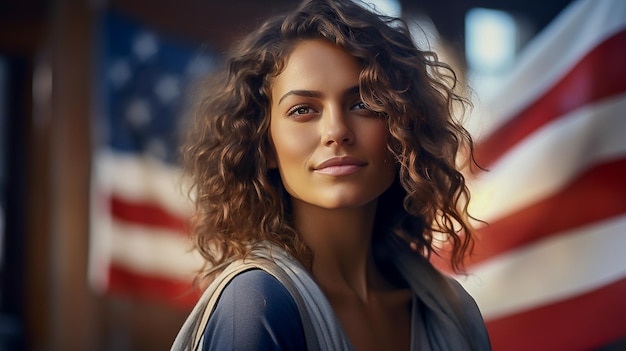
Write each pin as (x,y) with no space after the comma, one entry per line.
(157,148)
(167,89)
(138,113)
(145,46)
(119,73)
(199,65)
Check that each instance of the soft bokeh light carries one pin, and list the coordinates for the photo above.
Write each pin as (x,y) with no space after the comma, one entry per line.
(386,7)
(490,39)
(490,47)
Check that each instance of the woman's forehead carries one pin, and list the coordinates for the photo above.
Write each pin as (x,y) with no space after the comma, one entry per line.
(317,64)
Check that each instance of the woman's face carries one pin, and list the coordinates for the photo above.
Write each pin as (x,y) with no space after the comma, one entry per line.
(330,150)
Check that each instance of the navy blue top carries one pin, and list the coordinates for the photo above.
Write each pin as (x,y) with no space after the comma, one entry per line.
(254,312)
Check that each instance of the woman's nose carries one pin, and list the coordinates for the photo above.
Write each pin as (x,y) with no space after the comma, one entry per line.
(336,129)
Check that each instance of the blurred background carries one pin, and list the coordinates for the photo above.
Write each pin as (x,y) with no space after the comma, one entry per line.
(93,252)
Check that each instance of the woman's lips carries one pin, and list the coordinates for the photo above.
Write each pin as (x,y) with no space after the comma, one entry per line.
(338,166)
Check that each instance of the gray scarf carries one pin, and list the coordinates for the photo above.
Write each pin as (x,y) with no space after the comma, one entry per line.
(444,316)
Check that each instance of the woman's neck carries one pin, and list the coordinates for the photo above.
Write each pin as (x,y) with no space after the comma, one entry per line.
(341,243)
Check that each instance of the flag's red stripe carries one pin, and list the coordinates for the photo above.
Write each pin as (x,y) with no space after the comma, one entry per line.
(584,322)
(597,194)
(600,74)
(147,214)
(125,282)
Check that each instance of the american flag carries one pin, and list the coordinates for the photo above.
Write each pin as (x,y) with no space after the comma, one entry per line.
(550,267)
(138,245)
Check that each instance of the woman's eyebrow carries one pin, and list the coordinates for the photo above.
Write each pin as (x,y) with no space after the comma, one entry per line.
(305,93)
(354,90)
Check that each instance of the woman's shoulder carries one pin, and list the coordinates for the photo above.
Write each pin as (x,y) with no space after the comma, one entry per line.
(254,310)
(257,285)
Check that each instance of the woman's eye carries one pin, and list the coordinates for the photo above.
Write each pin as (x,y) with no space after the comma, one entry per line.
(300,110)
(363,110)
(359,106)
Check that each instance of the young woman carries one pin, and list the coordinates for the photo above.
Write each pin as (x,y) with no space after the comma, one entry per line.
(324,168)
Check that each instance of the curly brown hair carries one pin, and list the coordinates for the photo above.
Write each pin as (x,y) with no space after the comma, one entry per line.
(240,201)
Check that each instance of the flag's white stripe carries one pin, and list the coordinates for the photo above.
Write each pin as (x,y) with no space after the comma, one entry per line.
(547,58)
(99,238)
(544,162)
(141,178)
(556,268)
(152,251)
